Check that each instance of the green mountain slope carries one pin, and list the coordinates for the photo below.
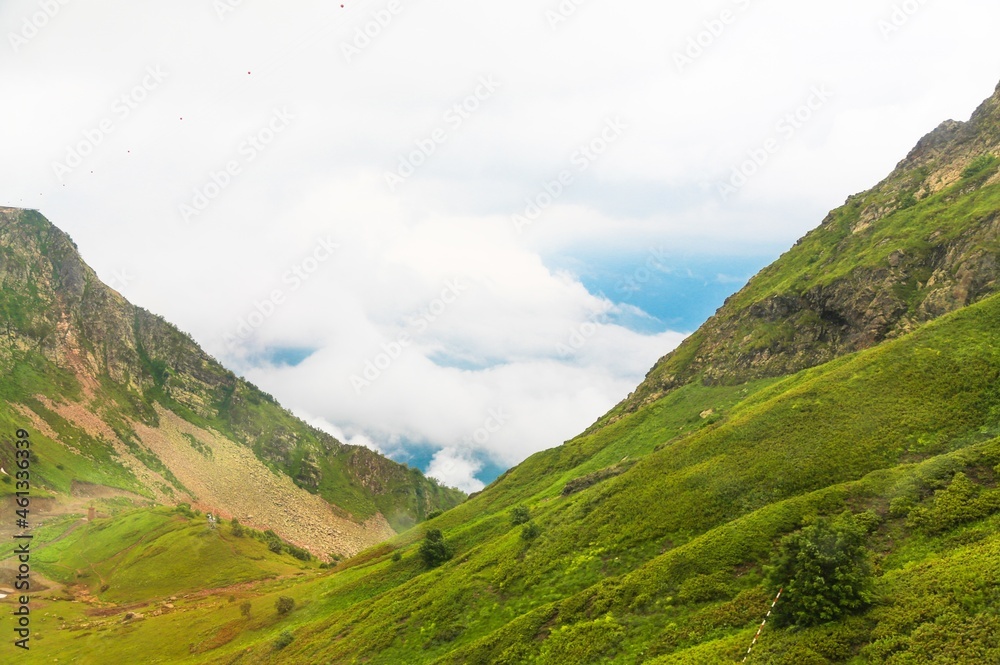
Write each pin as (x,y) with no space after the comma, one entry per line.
(645,562)
(663,563)
(117,397)
(859,375)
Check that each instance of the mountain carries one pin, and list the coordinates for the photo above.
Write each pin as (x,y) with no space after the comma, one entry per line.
(853,383)
(120,402)
(918,245)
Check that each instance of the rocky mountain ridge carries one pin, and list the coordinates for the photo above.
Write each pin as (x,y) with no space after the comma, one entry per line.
(119,386)
(905,269)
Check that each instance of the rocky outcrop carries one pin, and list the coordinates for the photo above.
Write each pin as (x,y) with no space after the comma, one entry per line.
(934,224)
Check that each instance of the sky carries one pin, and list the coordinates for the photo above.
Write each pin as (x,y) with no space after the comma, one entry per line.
(459,232)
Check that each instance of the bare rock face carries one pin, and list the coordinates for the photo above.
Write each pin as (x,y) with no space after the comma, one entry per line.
(934,223)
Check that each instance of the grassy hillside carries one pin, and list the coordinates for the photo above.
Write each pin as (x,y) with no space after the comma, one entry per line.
(153,553)
(661,560)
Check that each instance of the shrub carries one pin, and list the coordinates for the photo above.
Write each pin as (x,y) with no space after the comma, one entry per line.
(274,545)
(962,501)
(519,515)
(397,556)
(245,608)
(702,588)
(587,642)
(435,513)
(185,510)
(824,570)
(284,604)
(979,166)
(283,640)
(237,528)
(434,551)
(530,531)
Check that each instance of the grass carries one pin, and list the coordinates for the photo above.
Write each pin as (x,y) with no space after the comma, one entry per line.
(663,563)
(152,553)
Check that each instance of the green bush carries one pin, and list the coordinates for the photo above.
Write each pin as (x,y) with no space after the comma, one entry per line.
(530,531)
(237,528)
(245,608)
(397,556)
(185,510)
(519,515)
(433,514)
(283,640)
(284,604)
(702,588)
(581,643)
(980,165)
(961,502)
(433,550)
(824,570)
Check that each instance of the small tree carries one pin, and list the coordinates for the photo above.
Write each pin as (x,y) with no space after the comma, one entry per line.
(519,515)
(245,607)
(237,528)
(824,570)
(434,551)
(284,604)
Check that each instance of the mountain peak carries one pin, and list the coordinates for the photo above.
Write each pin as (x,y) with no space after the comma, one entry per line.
(889,260)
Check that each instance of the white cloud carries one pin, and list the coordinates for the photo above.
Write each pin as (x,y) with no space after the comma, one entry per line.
(456,468)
